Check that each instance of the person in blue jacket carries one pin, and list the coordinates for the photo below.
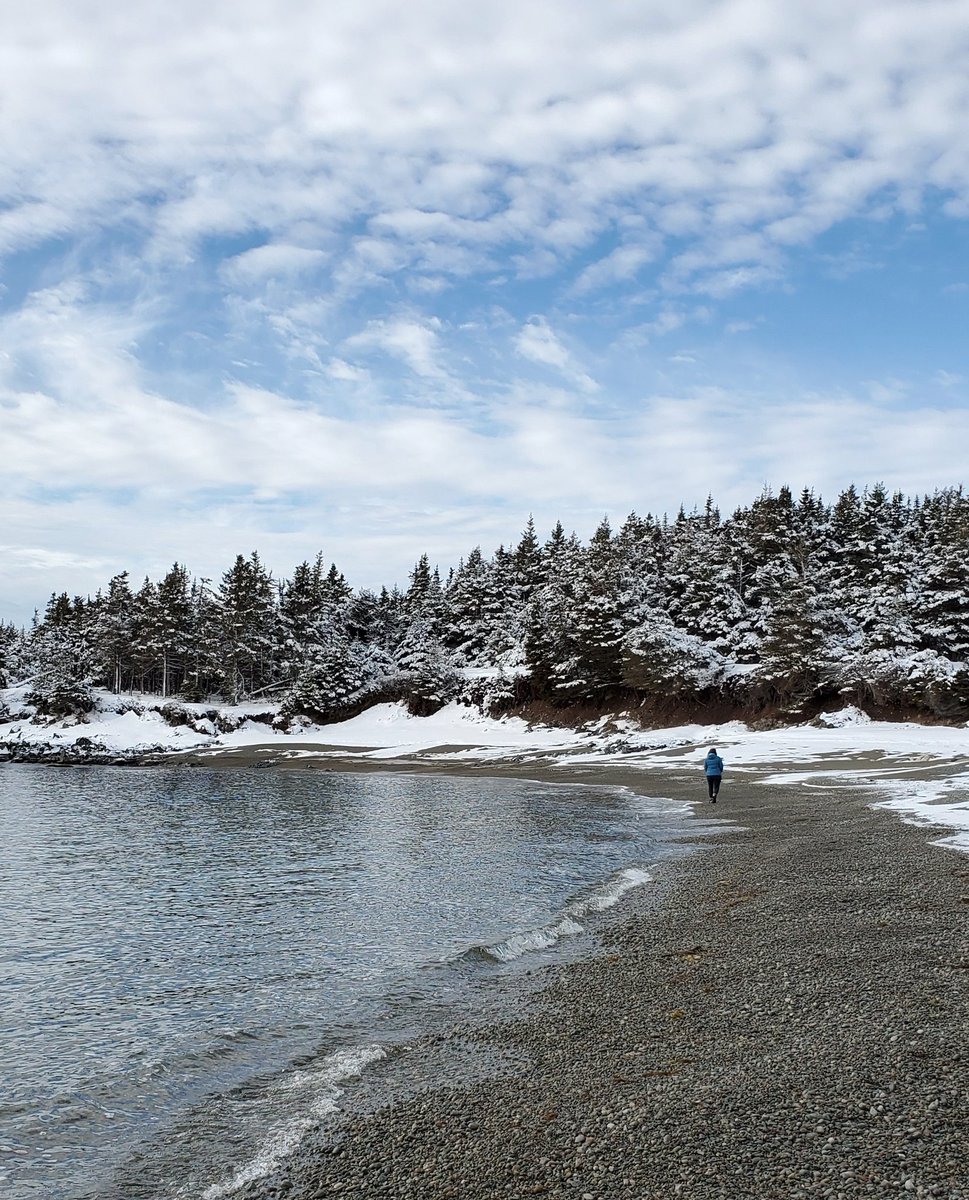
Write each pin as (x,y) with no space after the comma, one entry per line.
(713,769)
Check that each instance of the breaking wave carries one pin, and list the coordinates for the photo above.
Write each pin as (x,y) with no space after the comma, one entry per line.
(322,1088)
(568,923)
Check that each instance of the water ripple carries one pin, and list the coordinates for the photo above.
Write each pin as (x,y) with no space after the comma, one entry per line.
(186,953)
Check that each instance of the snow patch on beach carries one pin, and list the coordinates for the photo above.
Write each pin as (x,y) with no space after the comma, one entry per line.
(941,802)
(118,724)
(843,717)
(390,731)
(921,770)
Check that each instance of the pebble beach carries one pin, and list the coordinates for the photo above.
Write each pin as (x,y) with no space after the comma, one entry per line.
(785,1015)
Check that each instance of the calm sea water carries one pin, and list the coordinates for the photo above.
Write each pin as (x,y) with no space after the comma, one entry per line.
(194,964)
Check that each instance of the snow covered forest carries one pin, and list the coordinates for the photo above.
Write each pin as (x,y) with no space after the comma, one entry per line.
(786,606)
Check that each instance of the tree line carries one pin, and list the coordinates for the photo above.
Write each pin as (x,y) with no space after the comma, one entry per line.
(788,602)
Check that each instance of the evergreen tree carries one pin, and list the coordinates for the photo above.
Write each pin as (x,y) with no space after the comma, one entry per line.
(598,622)
(943,587)
(503,609)
(300,607)
(14,655)
(173,628)
(465,616)
(529,566)
(331,674)
(247,628)
(666,662)
(201,670)
(793,652)
(763,556)
(428,673)
(549,641)
(113,632)
(420,585)
(702,581)
(145,635)
(63,660)
(365,618)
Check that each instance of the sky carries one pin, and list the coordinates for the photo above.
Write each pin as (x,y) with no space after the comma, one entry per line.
(382,279)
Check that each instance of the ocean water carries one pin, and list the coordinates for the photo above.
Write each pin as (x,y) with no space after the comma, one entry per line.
(196,965)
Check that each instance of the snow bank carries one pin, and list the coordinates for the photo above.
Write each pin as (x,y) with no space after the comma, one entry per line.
(390,729)
(136,724)
(123,725)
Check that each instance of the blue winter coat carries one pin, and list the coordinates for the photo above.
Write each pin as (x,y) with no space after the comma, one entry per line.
(713,764)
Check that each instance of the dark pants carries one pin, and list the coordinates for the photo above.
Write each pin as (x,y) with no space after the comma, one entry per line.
(713,783)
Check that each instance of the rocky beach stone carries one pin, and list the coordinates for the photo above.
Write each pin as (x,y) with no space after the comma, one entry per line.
(786,1016)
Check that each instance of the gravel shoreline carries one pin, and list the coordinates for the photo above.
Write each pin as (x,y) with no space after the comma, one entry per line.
(790,1021)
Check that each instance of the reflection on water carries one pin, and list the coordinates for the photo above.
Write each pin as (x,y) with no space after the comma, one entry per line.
(175,936)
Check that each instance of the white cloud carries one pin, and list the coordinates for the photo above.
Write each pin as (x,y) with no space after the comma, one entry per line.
(338,369)
(257,469)
(418,179)
(667,320)
(272,260)
(621,264)
(722,117)
(538,342)
(414,343)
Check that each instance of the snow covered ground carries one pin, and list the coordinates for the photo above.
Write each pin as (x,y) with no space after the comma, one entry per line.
(920,771)
(128,723)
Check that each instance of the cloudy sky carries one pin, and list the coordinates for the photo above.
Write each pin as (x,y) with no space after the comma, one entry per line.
(379,278)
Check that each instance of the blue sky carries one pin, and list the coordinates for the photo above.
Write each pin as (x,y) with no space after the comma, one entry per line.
(388,280)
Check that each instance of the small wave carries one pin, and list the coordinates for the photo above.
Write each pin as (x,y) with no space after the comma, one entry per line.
(569,923)
(323,1085)
(611,892)
(532,939)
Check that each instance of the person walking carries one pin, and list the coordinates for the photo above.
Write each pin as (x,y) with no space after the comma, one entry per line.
(713,769)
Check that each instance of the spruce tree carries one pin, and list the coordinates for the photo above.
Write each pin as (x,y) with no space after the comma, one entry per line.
(173,628)
(465,612)
(598,622)
(248,630)
(63,660)
(549,642)
(428,673)
(113,633)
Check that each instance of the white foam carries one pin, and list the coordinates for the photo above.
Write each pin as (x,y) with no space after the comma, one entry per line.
(323,1084)
(604,897)
(533,939)
(611,892)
